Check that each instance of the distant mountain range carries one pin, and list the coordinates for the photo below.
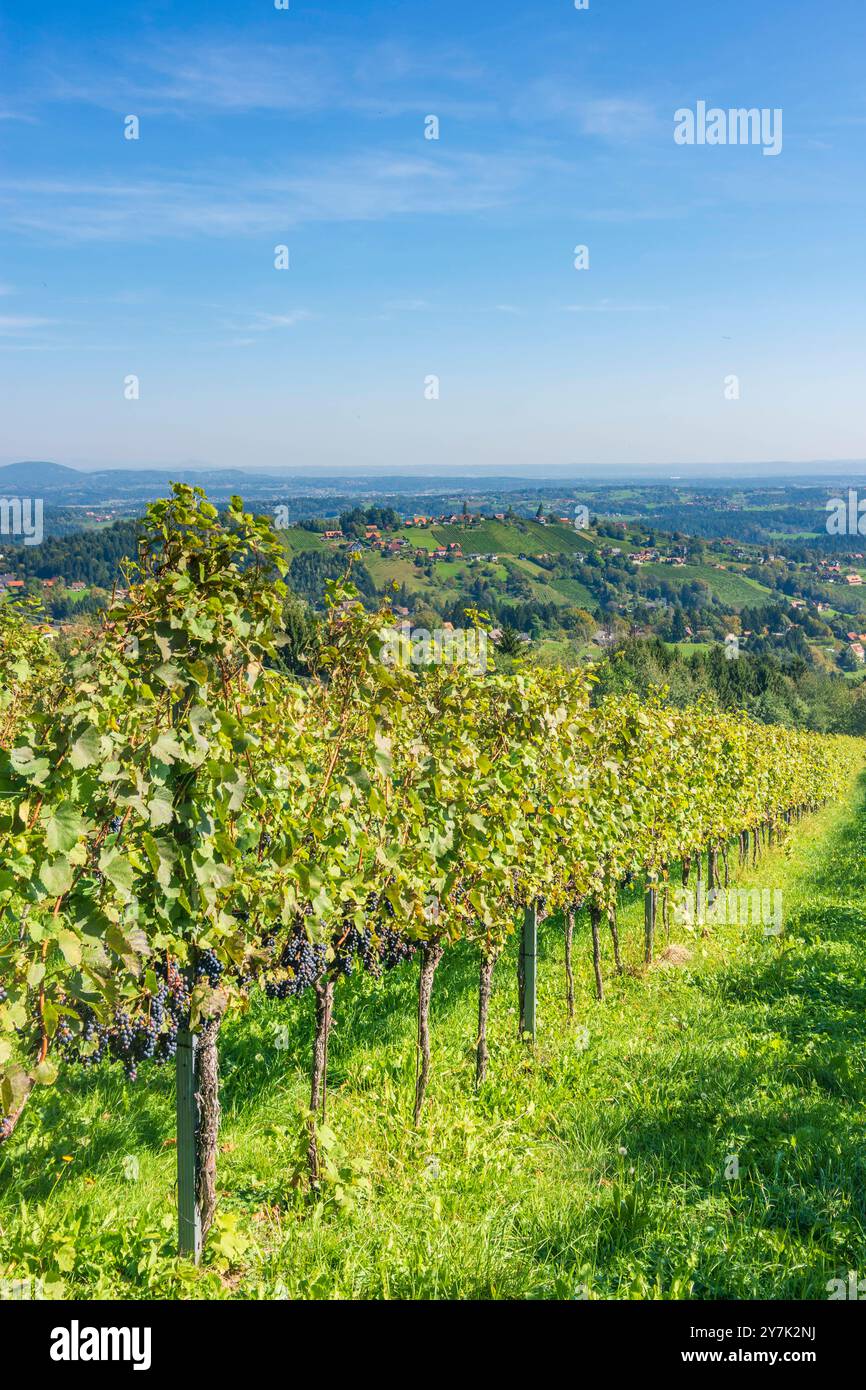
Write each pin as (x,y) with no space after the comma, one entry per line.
(63,486)
(127,490)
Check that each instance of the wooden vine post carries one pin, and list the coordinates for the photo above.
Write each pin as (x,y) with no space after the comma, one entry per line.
(529,962)
(189,1224)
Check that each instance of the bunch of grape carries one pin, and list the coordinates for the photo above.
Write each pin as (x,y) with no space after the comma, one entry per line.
(372,948)
(209,967)
(357,943)
(150,1036)
(3,995)
(394,949)
(301,964)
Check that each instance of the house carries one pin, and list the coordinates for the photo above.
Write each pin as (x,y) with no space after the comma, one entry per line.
(440,553)
(857,651)
(333,535)
(853,579)
(455,547)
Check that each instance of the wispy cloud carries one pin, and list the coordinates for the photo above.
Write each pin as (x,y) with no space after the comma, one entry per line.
(262,321)
(205,73)
(610,117)
(407,306)
(227,202)
(22,323)
(609,306)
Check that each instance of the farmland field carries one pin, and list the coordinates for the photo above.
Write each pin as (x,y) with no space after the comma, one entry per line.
(734,589)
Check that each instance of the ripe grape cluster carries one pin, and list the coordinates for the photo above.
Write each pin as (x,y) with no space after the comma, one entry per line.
(148,1036)
(301,963)
(357,945)
(210,968)
(394,949)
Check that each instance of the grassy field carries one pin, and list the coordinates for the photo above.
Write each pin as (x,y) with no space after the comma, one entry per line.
(733,589)
(595,1164)
(576,592)
(297,538)
(501,538)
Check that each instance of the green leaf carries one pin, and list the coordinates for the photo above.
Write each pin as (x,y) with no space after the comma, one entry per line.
(166,748)
(70,945)
(85,750)
(46,1073)
(117,869)
(64,827)
(56,874)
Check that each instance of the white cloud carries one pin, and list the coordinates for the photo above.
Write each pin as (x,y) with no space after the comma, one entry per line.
(207,73)
(611,118)
(407,306)
(608,306)
(231,201)
(263,321)
(18,323)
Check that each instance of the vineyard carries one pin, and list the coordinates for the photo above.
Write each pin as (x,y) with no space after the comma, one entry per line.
(188,834)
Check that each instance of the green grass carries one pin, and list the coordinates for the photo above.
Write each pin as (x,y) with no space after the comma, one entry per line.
(594,1161)
(297,538)
(691,648)
(501,538)
(733,589)
(575,591)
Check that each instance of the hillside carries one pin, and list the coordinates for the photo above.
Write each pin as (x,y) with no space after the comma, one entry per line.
(732,588)
(32,476)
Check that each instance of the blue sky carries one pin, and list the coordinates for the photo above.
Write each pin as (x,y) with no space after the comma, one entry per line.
(412,258)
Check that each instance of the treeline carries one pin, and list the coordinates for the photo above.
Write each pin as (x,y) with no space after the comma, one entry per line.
(93,557)
(770,689)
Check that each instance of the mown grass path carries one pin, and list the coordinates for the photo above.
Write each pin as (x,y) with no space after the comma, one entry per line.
(698,1135)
